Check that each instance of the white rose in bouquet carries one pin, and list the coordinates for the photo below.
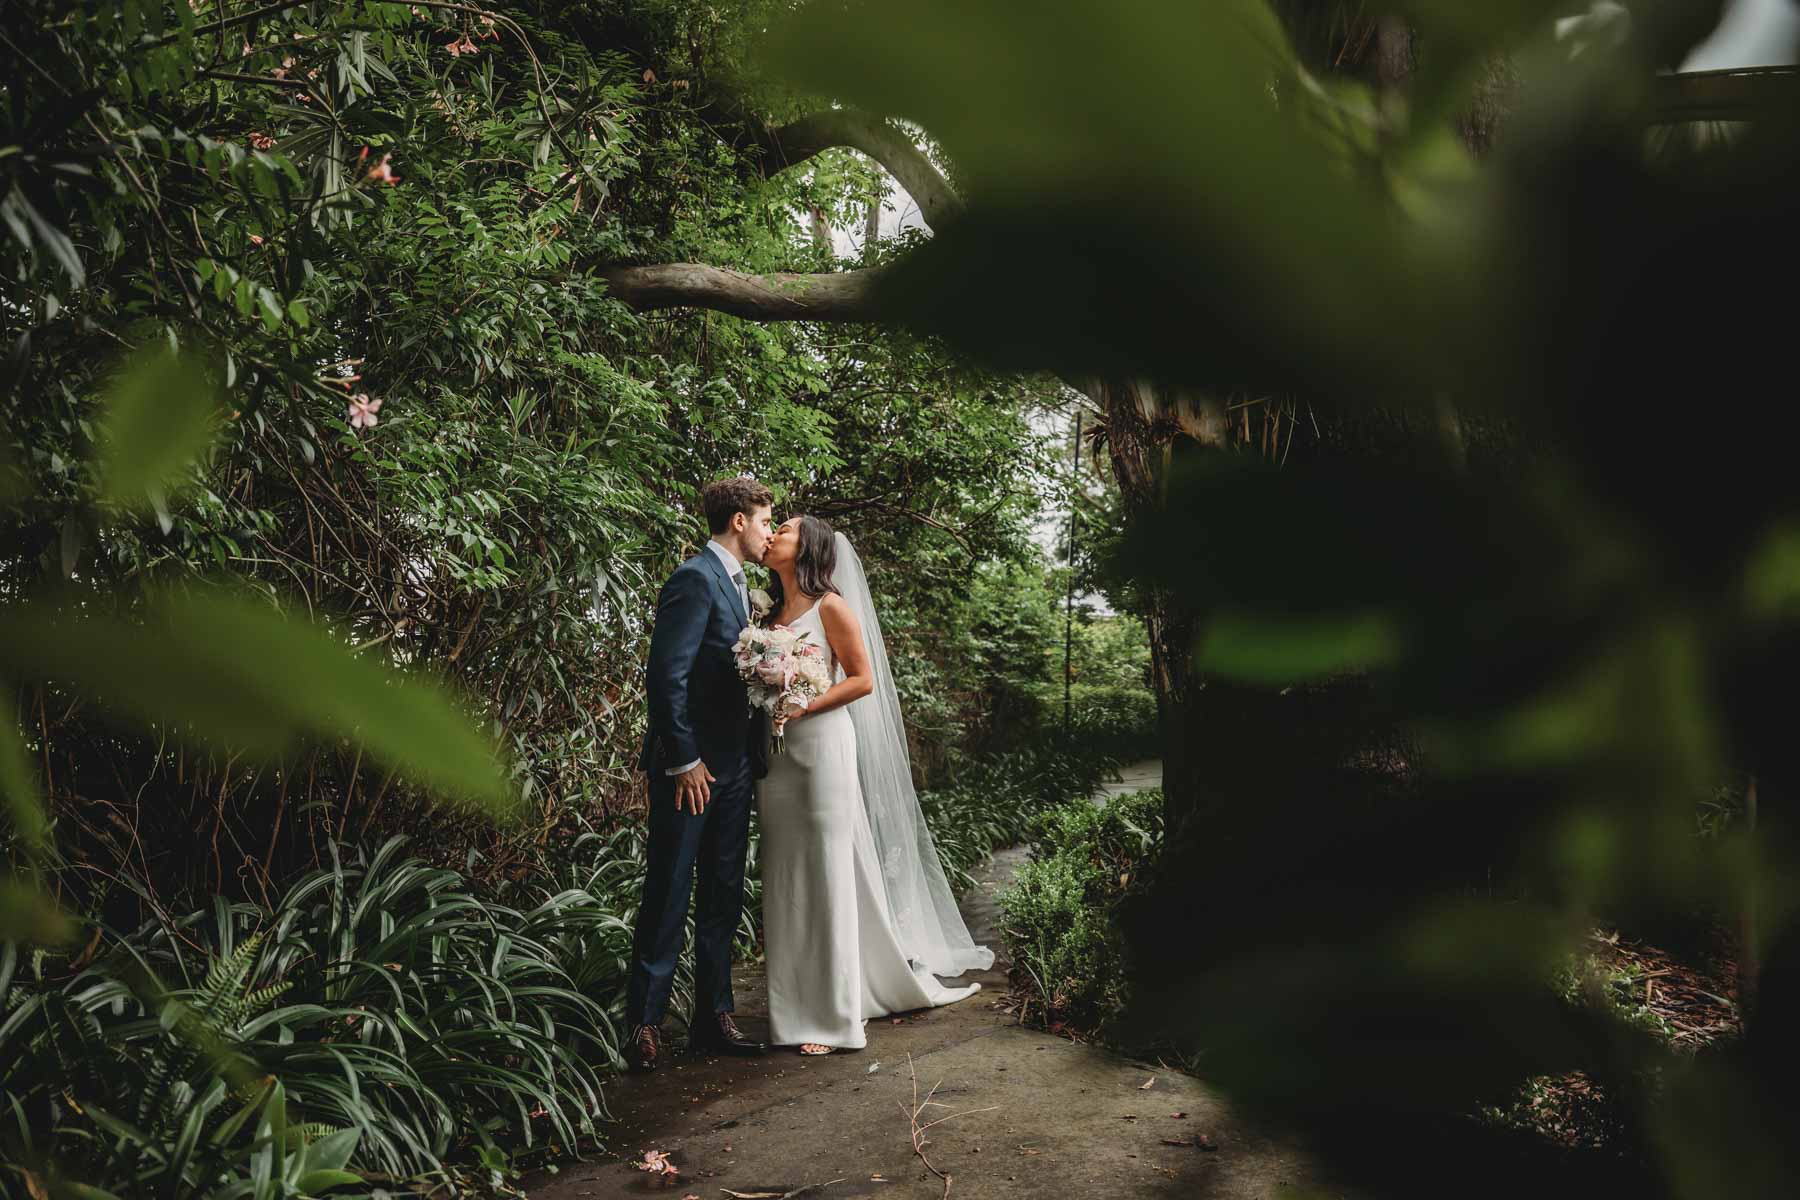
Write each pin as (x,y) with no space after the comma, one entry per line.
(784,671)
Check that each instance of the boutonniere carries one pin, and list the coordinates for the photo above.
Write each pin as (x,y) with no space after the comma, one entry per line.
(761,604)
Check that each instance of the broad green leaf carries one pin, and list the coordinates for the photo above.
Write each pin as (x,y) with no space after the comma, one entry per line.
(333,1151)
(317,1181)
(160,415)
(271,308)
(225,668)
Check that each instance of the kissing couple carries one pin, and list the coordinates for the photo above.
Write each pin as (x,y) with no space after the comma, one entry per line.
(858,918)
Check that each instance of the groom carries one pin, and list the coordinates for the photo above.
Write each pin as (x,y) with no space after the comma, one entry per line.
(701,752)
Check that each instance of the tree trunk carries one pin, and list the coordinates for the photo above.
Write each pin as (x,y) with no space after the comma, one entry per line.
(1142,423)
(872,222)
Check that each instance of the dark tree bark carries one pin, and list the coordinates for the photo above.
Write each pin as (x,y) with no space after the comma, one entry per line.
(1142,422)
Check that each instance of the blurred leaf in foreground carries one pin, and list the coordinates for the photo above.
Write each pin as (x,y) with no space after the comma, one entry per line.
(28,916)
(18,787)
(225,668)
(160,414)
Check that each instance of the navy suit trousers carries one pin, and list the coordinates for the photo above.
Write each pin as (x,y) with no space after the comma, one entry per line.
(712,846)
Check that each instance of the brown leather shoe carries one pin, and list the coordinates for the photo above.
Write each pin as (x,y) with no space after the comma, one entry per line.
(646,1048)
(722,1036)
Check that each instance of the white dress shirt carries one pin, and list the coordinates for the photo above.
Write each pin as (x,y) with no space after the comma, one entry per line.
(734,569)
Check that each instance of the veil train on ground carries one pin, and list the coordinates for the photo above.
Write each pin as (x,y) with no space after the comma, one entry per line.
(921,904)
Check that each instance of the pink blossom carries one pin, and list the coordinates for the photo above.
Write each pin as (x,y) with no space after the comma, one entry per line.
(256,239)
(462,46)
(362,410)
(260,141)
(382,172)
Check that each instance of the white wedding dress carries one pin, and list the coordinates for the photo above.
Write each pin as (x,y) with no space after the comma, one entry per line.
(836,941)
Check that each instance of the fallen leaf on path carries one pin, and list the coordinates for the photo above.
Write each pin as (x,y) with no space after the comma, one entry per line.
(1179,1116)
(1145,1086)
(657,1163)
(873,1067)
(753,1195)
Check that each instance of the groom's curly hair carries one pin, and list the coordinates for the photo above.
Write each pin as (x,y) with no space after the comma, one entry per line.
(725,498)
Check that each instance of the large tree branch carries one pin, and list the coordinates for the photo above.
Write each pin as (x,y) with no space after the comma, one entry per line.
(833,296)
(789,145)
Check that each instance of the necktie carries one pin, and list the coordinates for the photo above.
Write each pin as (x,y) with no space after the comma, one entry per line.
(737,577)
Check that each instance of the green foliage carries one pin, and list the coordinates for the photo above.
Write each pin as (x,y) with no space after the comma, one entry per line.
(994,799)
(306,309)
(329,208)
(1528,667)
(1059,910)
(1111,651)
(149,1091)
(403,1019)
(1118,722)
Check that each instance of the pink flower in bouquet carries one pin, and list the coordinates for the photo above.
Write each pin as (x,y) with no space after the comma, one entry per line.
(783,669)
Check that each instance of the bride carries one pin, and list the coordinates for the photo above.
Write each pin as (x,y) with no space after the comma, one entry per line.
(858,919)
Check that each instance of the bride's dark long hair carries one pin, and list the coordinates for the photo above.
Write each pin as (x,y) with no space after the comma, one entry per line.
(814,561)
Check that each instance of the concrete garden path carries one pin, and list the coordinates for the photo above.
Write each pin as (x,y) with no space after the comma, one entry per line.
(1044,1116)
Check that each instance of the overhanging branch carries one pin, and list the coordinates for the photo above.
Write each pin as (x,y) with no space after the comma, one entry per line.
(780,147)
(833,296)
(794,143)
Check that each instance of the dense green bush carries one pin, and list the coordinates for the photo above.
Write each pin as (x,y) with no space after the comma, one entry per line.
(404,1029)
(1118,722)
(1108,720)
(1059,931)
(380,1010)
(996,799)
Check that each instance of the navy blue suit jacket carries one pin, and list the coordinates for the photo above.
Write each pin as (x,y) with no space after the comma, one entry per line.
(699,708)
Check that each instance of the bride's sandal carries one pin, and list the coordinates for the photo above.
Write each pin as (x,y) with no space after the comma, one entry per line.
(824,1049)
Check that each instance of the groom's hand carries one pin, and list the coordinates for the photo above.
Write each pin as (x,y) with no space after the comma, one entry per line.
(691,790)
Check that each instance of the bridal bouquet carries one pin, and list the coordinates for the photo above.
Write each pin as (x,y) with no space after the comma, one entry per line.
(785,671)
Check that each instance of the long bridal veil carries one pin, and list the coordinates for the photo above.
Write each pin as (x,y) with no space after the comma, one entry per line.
(923,908)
